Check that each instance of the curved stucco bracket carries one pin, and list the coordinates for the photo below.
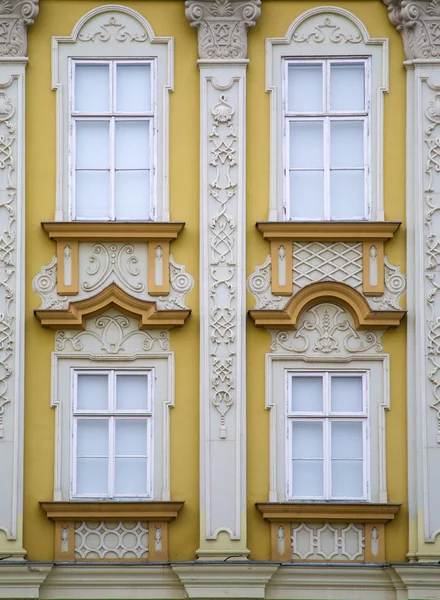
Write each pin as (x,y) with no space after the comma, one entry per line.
(222,26)
(317,293)
(15,18)
(418,22)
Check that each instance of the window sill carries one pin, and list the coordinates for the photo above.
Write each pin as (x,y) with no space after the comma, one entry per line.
(328,231)
(75,521)
(369,517)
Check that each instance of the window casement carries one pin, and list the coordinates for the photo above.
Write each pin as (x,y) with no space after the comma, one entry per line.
(327,139)
(112,434)
(112,140)
(327,435)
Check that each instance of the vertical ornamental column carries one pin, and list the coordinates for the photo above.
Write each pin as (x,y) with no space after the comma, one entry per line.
(15,18)
(222,39)
(419,23)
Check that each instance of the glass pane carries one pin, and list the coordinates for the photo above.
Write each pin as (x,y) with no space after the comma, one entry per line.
(92,392)
(346,394)
(307,478)
(347,440)
(307,439)
(92,145)
(305,88)
(347,194)
(131,437)
(133,88)
(92,437)
(347,87)
(132,145)
(306,145)
(92,88)
(307,394)
(92,194)
(132,194)
(92,476)
(131,476)
(132,392)
(347,479)
(307,194)
(347,144)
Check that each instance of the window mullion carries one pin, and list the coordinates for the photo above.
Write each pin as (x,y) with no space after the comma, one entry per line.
(112,167)
(111,458)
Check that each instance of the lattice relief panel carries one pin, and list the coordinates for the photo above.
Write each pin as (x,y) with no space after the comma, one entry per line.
(111,540)
(328,541)
(316,261)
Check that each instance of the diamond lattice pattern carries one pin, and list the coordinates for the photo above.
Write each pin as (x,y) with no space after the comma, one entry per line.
(316,261)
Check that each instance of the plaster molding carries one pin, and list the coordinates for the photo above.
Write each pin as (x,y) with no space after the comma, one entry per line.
(15,18)
(222,26)
(418,21)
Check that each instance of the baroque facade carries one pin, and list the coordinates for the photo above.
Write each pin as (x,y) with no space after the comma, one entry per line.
(219,299)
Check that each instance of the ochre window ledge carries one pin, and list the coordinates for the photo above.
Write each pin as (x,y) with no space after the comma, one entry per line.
(328,231)
(69,234)
(71,517)
(74,317)
(372,517)
(327,291)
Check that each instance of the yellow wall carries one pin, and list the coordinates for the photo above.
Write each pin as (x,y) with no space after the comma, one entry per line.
(57,17)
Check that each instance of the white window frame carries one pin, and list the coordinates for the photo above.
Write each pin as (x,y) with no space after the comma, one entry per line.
(309,39)
(327,417)
(111,415)
(326,117)
(112,116)
(377,365)
(113,33)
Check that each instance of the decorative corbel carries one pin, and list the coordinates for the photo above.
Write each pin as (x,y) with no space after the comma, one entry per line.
(15,18)
(222,26)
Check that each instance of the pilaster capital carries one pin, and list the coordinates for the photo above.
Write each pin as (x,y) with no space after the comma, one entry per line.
(222,26)
(15,18)
(419,23)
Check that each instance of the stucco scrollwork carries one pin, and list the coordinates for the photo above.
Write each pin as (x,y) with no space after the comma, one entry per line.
(15,17)
(419,23)
(115,29)
(45,284)
(259,284)
(328,30)
(222,26)
(326,329)
(181,283)
(328,541)
(119,260)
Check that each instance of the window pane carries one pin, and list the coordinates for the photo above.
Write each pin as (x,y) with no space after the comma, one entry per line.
(92,88)
(307,394)
(307,478)
(131,437)
(347,144)
(347,479)
(306,145)
(307,439)
(92,145)
(92,437)
(305,88)
(131,476)
(307,194)
(347,440)
(347,194)
(132,145)
(92,476)
(347,87)
(346,394)
(92,392)
(132,392)
(132,194)
(92,194)
(133,88)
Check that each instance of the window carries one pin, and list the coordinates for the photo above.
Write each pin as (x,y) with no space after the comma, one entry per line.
(112,113)
(327,428)
(327,133)
(112,434)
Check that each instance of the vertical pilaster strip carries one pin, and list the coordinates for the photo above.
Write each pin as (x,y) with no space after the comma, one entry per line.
(15,17)
(419,23)
(222,36)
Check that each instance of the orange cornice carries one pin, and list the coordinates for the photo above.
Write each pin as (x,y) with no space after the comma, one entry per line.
(81,511)
(328,512)
(98,231)
(327,291)
(328,231)
(113,296)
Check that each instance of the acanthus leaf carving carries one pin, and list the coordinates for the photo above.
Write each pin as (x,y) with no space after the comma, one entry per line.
(222,26)
(15,17)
